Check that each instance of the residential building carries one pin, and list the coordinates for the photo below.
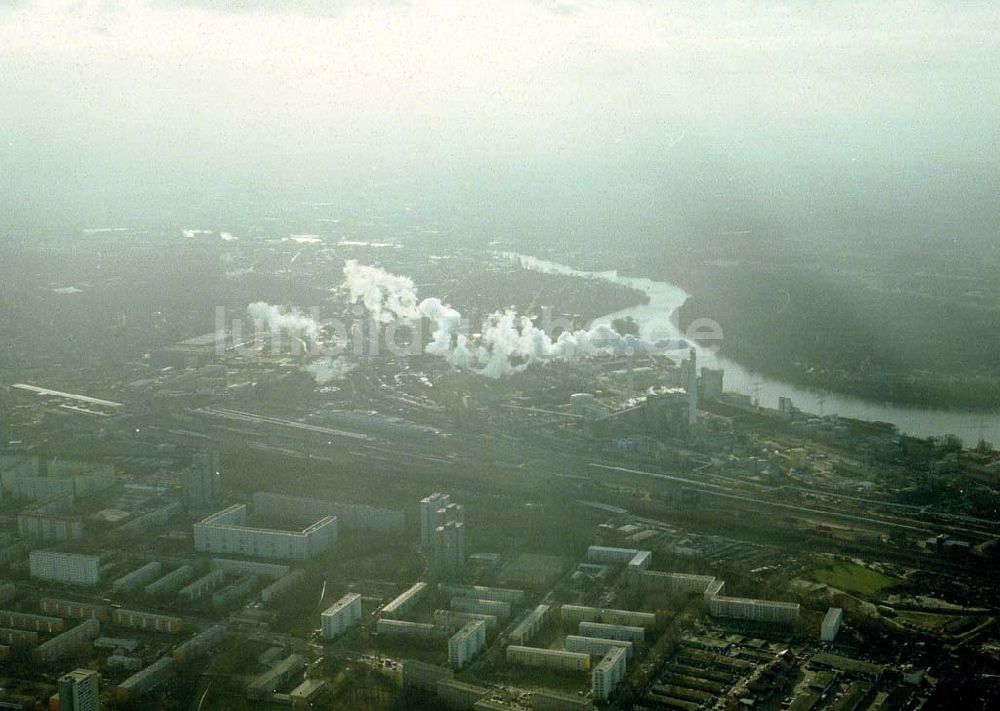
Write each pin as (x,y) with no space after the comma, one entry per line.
(453,619)
(350,517)
(482,592)
(79,690)
(73,610)
(171,582)
(226,532)
(831,624)
(466,643)
(482,607)
(267,683)
(152,621)
(756,610)
(548,658)
(398,606)
(145,680)
(341,615)
(70,568)
(606,631)
(138,577)
(402,628)
(608,673)
(596,646)
(429,507)
(529,626)
(578,613)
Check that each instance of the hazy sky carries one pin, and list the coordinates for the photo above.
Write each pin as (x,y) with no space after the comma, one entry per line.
(156,100)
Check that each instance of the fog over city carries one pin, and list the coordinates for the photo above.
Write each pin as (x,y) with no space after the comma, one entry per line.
(528,355)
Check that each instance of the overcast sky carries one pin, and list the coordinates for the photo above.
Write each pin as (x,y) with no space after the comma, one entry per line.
(149,98)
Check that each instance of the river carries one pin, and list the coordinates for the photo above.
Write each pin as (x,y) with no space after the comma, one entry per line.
(654,319)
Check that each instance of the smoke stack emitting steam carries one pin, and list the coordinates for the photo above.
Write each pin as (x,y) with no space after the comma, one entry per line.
(508,342)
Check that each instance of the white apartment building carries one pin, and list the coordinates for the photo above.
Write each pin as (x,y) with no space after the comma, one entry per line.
(79,690)
(398,606)
(529,626)
(608,673)
(226,532)
(596,646)
(605,631)
(548,658)
(71,568)
(341,615)
(831,624)
(757,610)
(466,643)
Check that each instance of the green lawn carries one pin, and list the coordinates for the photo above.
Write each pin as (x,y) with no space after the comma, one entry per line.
(852,577)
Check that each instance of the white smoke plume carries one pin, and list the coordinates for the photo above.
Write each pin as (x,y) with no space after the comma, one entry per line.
(292,322)
(329,369)
(508,342)
(385,296)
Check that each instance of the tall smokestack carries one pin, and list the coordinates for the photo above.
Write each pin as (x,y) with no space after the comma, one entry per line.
(692,387)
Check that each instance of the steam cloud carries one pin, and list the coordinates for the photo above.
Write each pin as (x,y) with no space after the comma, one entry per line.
(508,342)
(329,369)
(292,322)
(296,324)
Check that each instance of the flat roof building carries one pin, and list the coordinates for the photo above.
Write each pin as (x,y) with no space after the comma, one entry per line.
(340,615)
(608,673)
(402,628)
(548,658)
(596,646)
(578,613)
(453,619)
(79,690)
(482,592)
(70,568)
(529,626)
(831,624)
(756,610)
(606,631)
(398,606)
(466,643)
(483,607)
(268,682)
(226,532)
